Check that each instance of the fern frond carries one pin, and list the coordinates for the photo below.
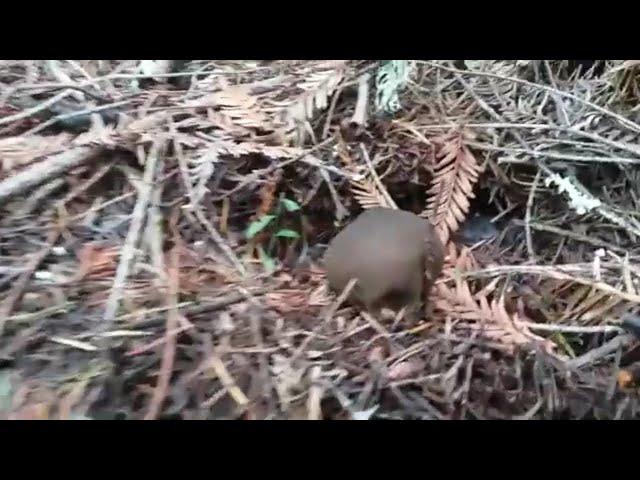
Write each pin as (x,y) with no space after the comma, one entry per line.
(368,195)
(318,86)
(201,170)
(237,107)
(489,316)
(455,174)
(99,134)
(479,310)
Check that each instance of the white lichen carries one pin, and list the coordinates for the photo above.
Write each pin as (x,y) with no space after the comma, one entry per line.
(391,77)
(579,201)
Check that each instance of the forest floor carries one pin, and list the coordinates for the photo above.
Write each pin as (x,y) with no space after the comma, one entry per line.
(161,237)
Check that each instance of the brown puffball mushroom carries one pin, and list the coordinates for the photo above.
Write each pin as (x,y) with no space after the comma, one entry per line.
(395,255)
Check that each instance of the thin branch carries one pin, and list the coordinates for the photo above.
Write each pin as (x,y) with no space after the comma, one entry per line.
(376,178)
(527,217)
(133,235)
(596,354)
(169,350)
(552,272)
(36,109)
(628,123)
(537,126)
(45,170)
(547,154)
(546,327)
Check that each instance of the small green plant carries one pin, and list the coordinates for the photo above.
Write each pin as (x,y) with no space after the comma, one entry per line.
(273,222)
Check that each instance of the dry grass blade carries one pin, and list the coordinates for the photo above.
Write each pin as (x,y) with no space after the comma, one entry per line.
(558,273)
(455,174)
(570,303)
(593,306)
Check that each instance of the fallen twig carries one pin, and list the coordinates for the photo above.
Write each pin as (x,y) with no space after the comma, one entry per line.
(592,356)
(137,217)
(527,217)
(169,350)
(227,381)
(42,171)
(328,315)
(38,108)
(626,122)
(552,272)
(546,327)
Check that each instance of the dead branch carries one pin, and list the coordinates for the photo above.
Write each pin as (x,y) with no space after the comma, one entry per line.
(42,171)
(137,218)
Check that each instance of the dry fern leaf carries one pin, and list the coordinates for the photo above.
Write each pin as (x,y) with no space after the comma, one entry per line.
(192,141)
(461,260)
(201,169)
(224,125)
(139,130)
(238,105)
(490,317)
(476,310)
(455,174)
(20,151)
(98,135)
(368,195)
(318,87)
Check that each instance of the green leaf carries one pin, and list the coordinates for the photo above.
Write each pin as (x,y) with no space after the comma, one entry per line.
(285,232)
(290,205)
(258,225)
(268,262)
